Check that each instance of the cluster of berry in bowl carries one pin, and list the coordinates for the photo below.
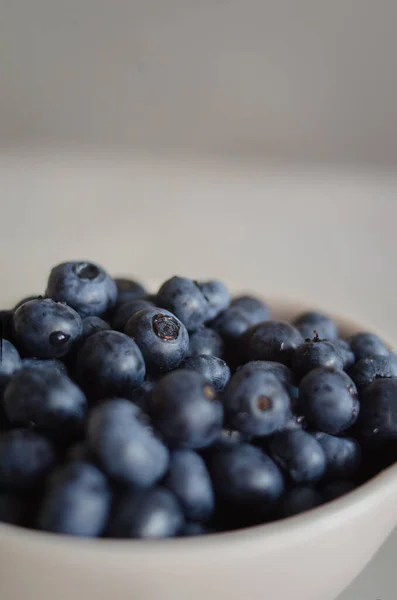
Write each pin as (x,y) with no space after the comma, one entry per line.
(130,415)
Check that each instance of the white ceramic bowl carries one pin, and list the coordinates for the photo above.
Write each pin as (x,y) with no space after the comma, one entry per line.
(312,556)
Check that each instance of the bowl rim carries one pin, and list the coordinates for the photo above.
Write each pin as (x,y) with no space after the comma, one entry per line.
(287,531)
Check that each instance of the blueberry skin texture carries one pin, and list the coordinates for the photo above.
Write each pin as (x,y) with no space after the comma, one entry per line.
(256,309)
(378,414)
(206,341)
(140,396)
(343,455)
(309,322)
(10,361)
(256,403)
(124,446)
(184,298)
(299,499)
(367,345)
(246,477)
(329,400)
(280,371)
(161,337)
(232,323)
(13,508)
(127,290)
(345,351)
(46,329)
(367,370)
(25,459)
(84,286)
(272,340)
(217,296)
(189,480)
(76,502)
(125,311)
(51,364)
(110,364)
(313,354)
(214,369)
(336,489)
(92,325)
(185,409)
(299,455)
(150,514)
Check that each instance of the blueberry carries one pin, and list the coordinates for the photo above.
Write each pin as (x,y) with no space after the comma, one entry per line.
(299,454)
(280,371)
(125,311)
(299,499)
(185,409)
(13,508)
(246,477)
(93,325)
(345,351)
(189,480)
(161,337)
(316,353)
(272,340)
(309,322)
(217,296)
(378,413)
(26,299)
(256,309)
(256,402)
(128,290)
(46,329)
(206,341)
(232,323)
(367,345)
(343,455)
(335,489)
(125,447)
(84,286)
(366,370)
(25,459)
(49,401)
(51,364)
(329,400)
(214,369)
(185,299)
(110,364)
(146,514)
(140,396)
(76,502)
(6,317)
(10,361)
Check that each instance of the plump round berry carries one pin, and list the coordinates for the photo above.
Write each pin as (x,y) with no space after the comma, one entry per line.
(343,455)
(272,340)
(345,351)
(299,499)
(92,325)
(206,341)
(76,502)
(149,514)
(186,410)
(299,455)
(256,403)
(189,480)
(378,411)
(110,364)
(185,299)
(329,400)
(51,364)
(46,329)
(124,445)
(255,308)
(10,361)
(214,369)
(26,299)
(309,322)
(217,296)
(366,370)
(25,459)
(13,508)
(49,401)
(84,286)
(316,353)
(127,290)
(246,477)
(367,345)
(280,371)
(161,337)
(336,489)
(125,311)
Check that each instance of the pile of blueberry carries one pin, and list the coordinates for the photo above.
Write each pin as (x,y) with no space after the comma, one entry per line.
(125,414)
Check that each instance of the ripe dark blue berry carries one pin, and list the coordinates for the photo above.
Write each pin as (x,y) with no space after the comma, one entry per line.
(128,290)
(214,369)
(125,311)
(185,299)
(206,341)
(84,286)
(316,353)
(299,499)
(367,370)
(272,340)
(343,455)
(378,413)
(46,329)
(367,345)
(93,325)
(345,351)
(217,296)
(52,364)
(10,361)
(309,322)
(280,371)
(299,455)
(255,308)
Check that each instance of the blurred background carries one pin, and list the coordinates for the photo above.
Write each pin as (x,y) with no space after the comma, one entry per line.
(253,141)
